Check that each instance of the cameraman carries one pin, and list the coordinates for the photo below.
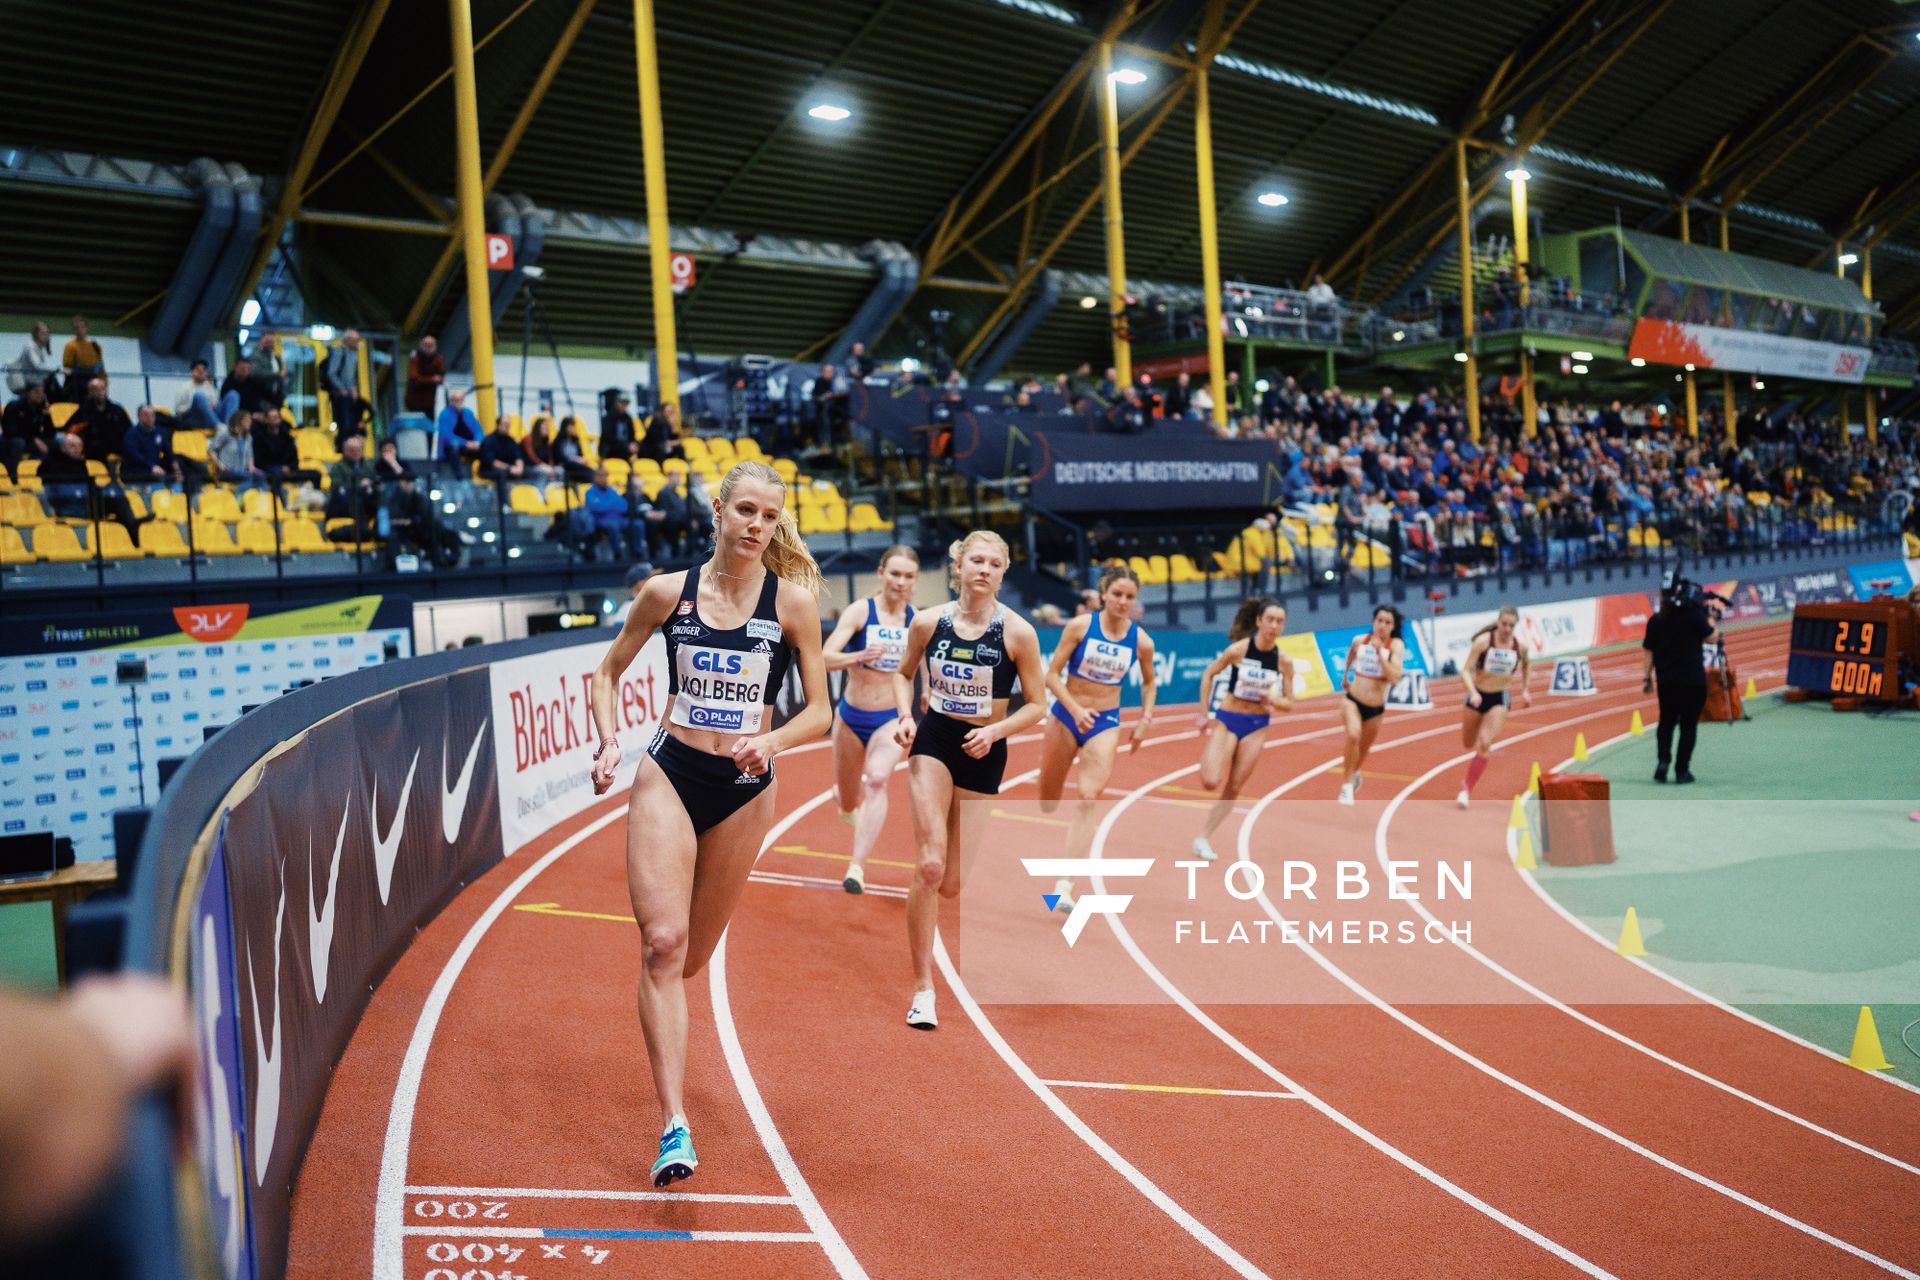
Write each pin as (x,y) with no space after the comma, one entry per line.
(1675,648)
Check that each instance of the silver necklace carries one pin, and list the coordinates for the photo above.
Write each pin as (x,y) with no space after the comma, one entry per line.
(736,577)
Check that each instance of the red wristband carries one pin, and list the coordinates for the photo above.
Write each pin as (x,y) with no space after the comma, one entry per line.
(603,745)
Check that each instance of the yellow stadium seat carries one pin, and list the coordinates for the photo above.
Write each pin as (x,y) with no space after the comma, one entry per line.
(646,466)
(165,504)
(1141,569)
(303,537)
(833,517)
(747,449)
(652,485)
(13,548)
(190,444)
(218,504)
(62,413)
(161,539)
(59,544)
(825,492)
(135,501)
(866,518)
(1185,570)
(98,470)
(257,504)
(720,449)
(257,537)
(516,427)
(1162,572)
(527,500)
(211,538)
(695,447)
(22,511)
(787,468)
(116,543)
(618,470)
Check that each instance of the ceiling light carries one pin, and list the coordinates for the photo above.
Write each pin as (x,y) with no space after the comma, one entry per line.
(1663,410)
(1460,356)
(1089,302)
(1272,199)
(908,364)
(1583,355)
(1848,259)
(1399,335)
(1261,385)
(1127,75)
(1759,384)
(1689,368)
(1518,174)
(831,112)
(1579,368)
(1637,363)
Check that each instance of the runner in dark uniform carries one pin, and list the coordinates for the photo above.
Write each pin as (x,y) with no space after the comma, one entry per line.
(1259,682)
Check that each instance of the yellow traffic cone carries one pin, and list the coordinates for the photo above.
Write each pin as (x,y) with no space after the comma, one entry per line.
(1630,944)
(1867,1053)
(1637,727)
(1579,746)
(1753,690)
(1517,817)
(1533,779)
(1524,858)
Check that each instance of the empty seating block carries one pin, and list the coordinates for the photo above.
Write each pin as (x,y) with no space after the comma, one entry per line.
(13,548)
(257,537)
(22,511)
(162,539)
(211,537)
(303,537)
(219,504)
(59,544)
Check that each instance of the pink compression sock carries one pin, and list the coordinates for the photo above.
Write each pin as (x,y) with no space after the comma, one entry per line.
(1474,770)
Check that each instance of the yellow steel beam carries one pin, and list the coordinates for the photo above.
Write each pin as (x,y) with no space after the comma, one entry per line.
(1116,224)
(346,65)
(1739,187)
(991,267)
(402,179)
(1469,308)
(473,218)
(1693,400)
(1032,270)
(1209,227)
(1760,133)
(1866,287)
(417,313)
(1031,206)
(666,347)
(412,102)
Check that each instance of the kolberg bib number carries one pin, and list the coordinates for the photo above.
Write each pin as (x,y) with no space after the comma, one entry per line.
(721,689)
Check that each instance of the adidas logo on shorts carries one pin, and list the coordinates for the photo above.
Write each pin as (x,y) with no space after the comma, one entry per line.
(746,780)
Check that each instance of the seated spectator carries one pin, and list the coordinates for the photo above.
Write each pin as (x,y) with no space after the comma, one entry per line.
(275,452)
(460,433)
(239,392)
(501,457)
(72,491)
(619,437)
(688,519)
(542,466)
(645,519)
(198,404)
(426,370)
(99,422)
(602,515)
(571,453)
(26,429)
(414,522)
(353,493)
(35,364)
(661,438)
(147,456)
(231,451)
(81,361)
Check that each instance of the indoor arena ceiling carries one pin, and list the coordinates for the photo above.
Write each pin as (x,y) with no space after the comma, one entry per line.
(1798,115)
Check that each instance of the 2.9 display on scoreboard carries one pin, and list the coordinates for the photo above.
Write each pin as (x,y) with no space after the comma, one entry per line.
(1845,648)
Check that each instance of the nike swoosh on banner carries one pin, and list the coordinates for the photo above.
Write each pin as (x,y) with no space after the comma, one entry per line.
(320,923)
(386,849)
(267,1065)
(453,810)
(217,1144)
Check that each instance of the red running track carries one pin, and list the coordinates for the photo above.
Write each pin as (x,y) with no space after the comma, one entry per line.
(1531,1104)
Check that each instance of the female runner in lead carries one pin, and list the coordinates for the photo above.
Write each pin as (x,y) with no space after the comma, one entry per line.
(1089,665)
(864,748)
(703,796)
(1494,660)
(1374,663)
(1259,682)
(973,648)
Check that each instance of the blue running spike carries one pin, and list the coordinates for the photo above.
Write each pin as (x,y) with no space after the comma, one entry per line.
(1051,899)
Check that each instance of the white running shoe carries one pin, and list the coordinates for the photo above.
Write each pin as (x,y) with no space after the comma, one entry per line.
(856,881)
(1204,851)
(1065,889)
(1347,790)
(1463,799)
(921,1016)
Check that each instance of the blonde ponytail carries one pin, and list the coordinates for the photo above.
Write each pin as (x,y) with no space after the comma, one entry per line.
(786,555)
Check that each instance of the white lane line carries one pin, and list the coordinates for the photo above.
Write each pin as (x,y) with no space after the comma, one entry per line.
(820,882)
(1539,890)
(1285,1081)
(795,1181)
(1380,856)
(595,1193)
(619,1233)
(1552,1104)
(390,1200)
(1170,1088)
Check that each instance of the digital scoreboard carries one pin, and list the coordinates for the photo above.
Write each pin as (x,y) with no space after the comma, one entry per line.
(1851,648)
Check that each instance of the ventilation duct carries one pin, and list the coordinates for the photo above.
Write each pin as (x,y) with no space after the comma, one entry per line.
(899,273)
(202,255)
(1015,336)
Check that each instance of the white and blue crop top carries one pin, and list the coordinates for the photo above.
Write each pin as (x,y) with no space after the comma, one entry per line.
(1103,661)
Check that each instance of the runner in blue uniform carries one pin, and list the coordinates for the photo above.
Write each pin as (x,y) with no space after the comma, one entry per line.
(702,798)
(868,644)
(1259,682)
(1374,664)
(973,648)
(1089,667)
